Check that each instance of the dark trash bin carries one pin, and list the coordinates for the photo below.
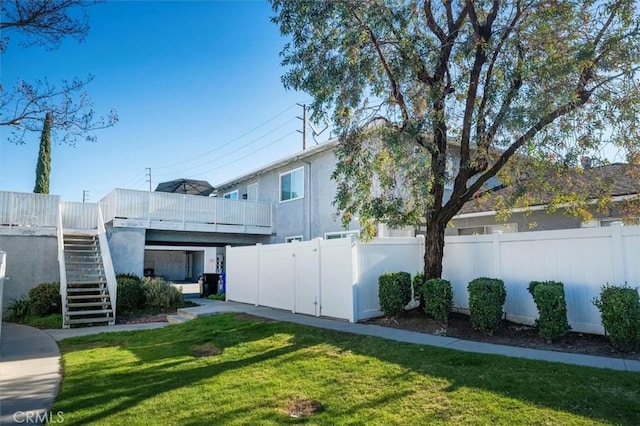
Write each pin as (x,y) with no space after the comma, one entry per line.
(208,284)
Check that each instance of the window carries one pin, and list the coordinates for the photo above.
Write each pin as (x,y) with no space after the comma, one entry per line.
(606,222)
(233,195)
(252,192)
(294,238)
(292,185)
(343,234)
(507,228)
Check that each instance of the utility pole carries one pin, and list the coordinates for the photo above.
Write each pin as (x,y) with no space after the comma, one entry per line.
(148,169)
(304,125)
(85,195)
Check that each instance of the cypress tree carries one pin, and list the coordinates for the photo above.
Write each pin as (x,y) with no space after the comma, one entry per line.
(43,168)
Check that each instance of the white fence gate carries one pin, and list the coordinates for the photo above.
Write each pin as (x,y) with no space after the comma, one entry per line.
(334,278)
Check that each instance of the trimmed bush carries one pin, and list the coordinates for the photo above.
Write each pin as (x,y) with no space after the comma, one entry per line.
(620,311)
(130,293)
(438,299)
(161,295)
(486,299)
(44,299)
(552,308)
(394,292)
(417,283)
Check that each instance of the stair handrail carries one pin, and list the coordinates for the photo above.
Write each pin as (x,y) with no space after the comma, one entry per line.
(107,263)
(63,267)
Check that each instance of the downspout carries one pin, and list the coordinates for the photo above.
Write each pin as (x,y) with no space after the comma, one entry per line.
(308,200)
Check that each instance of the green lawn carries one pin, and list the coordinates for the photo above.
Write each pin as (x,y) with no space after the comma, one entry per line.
(153,378)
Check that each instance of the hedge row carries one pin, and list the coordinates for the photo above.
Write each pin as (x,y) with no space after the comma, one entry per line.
(619,306)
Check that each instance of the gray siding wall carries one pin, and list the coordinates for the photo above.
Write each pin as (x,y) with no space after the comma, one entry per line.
(535,221)
(310,216)
(31,260)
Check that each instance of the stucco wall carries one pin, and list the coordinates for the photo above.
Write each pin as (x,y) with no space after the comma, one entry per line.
(31,260)
(310,216)
(127,249)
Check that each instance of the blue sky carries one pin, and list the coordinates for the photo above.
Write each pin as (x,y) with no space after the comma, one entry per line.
(196,85)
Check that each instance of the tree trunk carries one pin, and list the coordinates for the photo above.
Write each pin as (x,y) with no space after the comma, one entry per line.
(434,248)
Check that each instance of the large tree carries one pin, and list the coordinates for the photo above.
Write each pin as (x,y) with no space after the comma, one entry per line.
(47,23)
(43,167)
(459,90)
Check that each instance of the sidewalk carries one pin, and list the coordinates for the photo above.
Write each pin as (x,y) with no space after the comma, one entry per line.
(29,374)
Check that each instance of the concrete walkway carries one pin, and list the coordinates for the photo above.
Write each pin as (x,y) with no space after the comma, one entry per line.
(30,358)
(29,374)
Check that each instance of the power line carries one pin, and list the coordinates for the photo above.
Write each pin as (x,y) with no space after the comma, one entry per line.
(227,143)
(227,154)
(248,155)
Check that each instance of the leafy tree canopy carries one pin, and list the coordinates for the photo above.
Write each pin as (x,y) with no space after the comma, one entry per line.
(458,90)
(47,23)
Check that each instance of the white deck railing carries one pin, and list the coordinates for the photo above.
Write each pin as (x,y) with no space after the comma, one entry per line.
(3,266)
(107,262)
(18,209)
(63,267)
(156,210)
(79,215)
(184,209)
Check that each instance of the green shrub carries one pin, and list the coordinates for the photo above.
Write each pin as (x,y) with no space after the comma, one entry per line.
(620,311)
(438,299)
(552,308)
(45,299)
(130,296)
(394,292)
(161,295)
(416,284)
(19,309)
(486,299)
(217,296)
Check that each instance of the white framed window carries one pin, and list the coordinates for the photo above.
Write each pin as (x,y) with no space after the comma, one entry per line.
(252,192)
(292,185)
(341,234)
(595,223)
(294,238)
(233,195)
(506,228)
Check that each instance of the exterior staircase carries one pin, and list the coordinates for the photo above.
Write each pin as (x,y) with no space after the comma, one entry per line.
(87,293)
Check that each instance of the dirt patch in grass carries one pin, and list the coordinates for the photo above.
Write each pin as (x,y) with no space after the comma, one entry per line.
(143,319)
(508,333)
(206,350)
(303,407)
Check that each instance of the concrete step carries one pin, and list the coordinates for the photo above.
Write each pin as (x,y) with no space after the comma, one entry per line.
(87,296)
(87,304)
(90,312)
(186,314)
(86,289)
(176,319)
(87,282)
(109,320)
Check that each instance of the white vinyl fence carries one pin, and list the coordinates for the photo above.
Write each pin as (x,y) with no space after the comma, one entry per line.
(583,259)
(334,278)
(339,278)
